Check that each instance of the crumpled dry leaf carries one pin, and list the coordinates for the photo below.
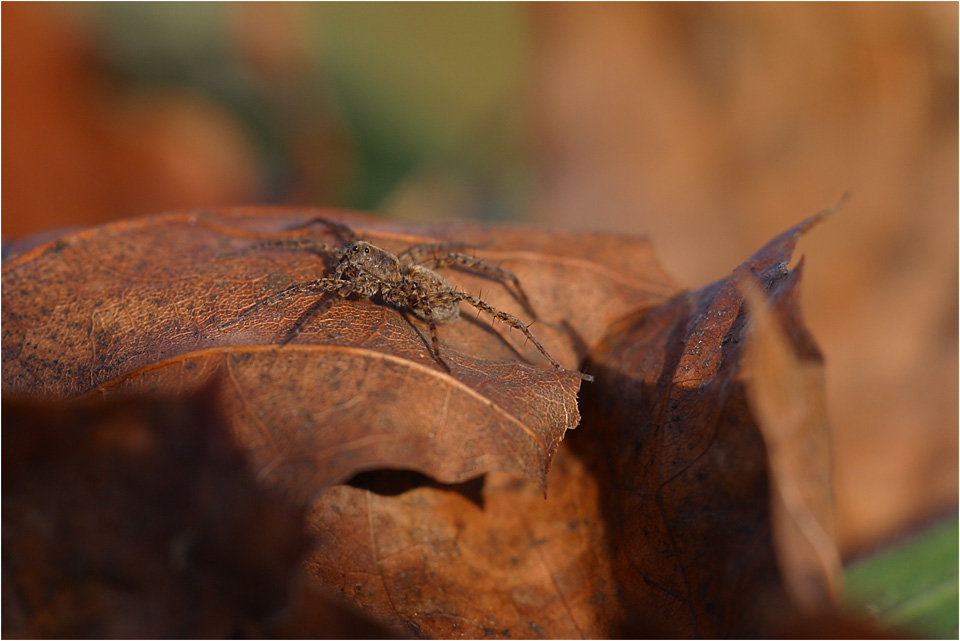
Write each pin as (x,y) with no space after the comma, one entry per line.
(677,445)
(135,306)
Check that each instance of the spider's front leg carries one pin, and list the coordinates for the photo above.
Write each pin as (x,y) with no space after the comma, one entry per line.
(343,291)
(345,232)
(416,253)
(290,244)
(318,286)
(305,244)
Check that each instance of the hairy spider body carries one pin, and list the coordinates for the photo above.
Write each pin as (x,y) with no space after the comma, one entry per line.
(408,281)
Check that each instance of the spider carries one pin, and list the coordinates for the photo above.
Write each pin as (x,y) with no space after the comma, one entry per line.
(407,281)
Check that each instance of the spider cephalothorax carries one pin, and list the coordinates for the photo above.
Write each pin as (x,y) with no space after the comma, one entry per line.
(408,281)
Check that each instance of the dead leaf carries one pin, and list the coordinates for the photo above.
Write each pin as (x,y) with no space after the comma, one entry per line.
(678,449)
(786,390)
(659,514)
(442,566)
(137,518)
(134,307)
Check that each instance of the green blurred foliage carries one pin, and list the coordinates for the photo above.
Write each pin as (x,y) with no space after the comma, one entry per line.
(417,89)
(912,586)
(425,85)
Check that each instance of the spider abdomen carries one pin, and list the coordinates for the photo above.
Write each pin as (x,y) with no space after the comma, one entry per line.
(433,295)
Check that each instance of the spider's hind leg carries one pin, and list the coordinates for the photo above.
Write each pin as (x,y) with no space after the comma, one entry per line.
(516,323)
(476,265)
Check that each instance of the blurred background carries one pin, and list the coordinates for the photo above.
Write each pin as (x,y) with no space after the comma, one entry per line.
(710,128)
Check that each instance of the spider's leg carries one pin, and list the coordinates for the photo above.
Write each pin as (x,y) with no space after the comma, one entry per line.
(416,253)
(317,286)
(515,322)
(411,297)
(290,244)
(434,337)
(491,271)
(345,232)
(315,309)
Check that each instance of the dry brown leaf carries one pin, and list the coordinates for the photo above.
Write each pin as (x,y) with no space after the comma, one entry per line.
(509,565)
(135,306)
(786,390)
(137,518)
(659,514)
(675,443)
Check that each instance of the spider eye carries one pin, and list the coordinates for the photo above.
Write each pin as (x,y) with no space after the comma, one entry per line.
(366,250)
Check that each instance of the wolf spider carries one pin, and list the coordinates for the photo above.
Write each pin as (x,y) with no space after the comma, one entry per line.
(407,281)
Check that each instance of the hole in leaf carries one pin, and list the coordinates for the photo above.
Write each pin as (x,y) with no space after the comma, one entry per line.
(395,482)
